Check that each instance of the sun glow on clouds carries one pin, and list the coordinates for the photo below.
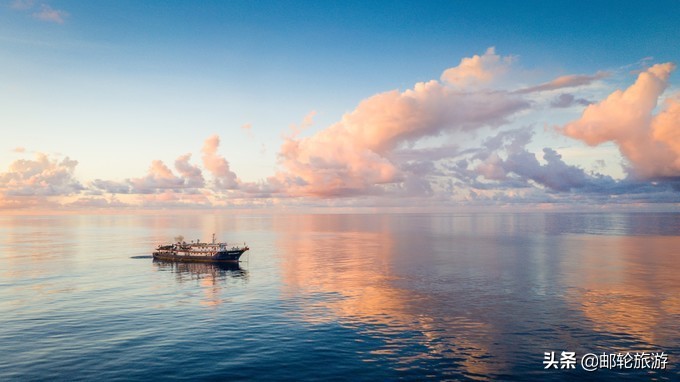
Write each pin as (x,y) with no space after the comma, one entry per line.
(223,177)
(382,152)
(40,177)
(651,142)
(354,155)
(478,70)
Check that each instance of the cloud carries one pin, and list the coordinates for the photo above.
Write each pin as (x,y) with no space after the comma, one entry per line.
(193,176)
(649,141)
(40,177)
(159,179)
(262,189)
(425,143)
(567,100)
(354,155)
(47,13)
(521,166)
(307,122)
(110,186)
(187,187)
(555,174)
(569,81)
(19,150)
(504,165)
(477,70)
(98,202)
(223,177)
(430,154)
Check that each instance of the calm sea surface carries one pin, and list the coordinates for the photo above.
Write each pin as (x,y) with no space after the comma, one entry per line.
(338,297)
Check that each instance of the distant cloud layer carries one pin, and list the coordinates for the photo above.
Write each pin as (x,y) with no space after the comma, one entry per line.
(42,176)
(441,142)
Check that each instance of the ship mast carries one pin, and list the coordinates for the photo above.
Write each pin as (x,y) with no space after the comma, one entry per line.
(213,238)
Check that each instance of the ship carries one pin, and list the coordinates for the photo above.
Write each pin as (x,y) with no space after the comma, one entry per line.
(199,252)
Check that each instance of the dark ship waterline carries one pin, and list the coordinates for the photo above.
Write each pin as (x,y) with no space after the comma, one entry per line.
(199,252)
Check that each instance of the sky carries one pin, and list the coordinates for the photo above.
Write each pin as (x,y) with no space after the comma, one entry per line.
(428,105)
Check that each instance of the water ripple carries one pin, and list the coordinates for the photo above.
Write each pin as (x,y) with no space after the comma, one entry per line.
(362,297)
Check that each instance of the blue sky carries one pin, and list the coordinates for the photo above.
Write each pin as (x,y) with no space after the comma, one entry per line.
(117,85)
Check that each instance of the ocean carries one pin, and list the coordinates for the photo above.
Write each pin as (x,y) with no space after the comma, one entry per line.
(455,296)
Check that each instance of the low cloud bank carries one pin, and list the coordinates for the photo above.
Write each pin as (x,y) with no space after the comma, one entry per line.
(383,151)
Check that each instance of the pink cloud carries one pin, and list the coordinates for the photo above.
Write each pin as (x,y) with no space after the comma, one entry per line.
(354,155)
(47,13)
(307,121)
(383,148)
(159,177)
(666,127)
(223,177)
(40,177)
(626,117)
(478,70)
(193,176)
(572,80)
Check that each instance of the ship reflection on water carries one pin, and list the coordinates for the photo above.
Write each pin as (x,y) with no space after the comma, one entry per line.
(212,278)
(202,271)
